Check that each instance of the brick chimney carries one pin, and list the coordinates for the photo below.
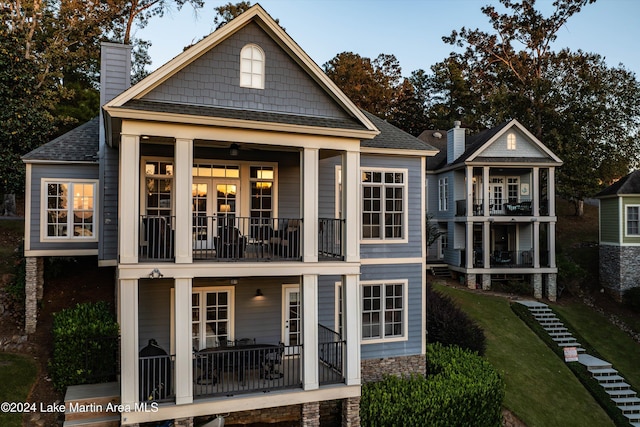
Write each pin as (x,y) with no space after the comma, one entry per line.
(455,142)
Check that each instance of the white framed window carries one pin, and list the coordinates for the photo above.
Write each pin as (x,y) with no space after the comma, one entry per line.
(384,204)
(443,194)
(511,141)
(69,209)
(159,184)
(443,244)
(384,313)
(211,316)
(513,189)
(633,220)
(339,320)
(252,64)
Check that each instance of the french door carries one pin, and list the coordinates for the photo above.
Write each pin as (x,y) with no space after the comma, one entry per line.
(215,202)
(292,325)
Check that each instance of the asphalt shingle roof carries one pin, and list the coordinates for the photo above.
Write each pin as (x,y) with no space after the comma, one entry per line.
(78,145)
(629,184)
(392,137)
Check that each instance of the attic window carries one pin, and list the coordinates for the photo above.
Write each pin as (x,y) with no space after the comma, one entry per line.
(252,67)
(511,141)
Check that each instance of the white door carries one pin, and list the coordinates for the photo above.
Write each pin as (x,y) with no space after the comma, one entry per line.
(292,327)
(213,210)
(202,214)
(497,198)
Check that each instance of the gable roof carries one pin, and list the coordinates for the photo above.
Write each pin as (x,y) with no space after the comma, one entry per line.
(80,144)
(629,184)
(475,144)
(391,137)
(121,104)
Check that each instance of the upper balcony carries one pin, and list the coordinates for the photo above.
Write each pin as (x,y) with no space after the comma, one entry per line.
(500,207)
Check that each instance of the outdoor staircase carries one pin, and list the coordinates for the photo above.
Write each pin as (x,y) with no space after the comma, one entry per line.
(93,398)
(440,271)
(602,371)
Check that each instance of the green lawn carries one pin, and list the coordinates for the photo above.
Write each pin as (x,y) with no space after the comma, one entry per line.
(540,389)
(17,375)
(613,345)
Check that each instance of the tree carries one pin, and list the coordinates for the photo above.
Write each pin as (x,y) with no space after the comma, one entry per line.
(571,101)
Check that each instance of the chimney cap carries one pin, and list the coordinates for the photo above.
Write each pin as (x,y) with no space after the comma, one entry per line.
(457,124)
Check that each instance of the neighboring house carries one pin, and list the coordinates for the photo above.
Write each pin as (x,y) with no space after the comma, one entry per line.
(266,233)
(619,244)
(493,198)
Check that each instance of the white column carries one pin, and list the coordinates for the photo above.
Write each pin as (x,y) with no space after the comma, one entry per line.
(552,244)
(486,244)
(469,189)
(485,190)
(536,244)
(183,207)
(128,317)
(535,192)
(129,199)
(310,379)
(552,191)
(309,195)
(351,180)
(469,245)
(184,359)
(351,328)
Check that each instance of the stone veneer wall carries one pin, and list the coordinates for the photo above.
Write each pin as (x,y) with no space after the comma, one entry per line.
(619,266)
(34,284)
(266,415)
(372,370)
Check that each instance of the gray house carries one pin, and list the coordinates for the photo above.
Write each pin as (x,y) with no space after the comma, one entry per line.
(268,236)
(492,195)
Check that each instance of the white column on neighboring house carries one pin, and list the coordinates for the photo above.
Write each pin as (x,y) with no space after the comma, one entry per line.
(486,244)
(469,245)
(469,190)
(351,180)
(535,192)
(183,208)
(129,199)
(183,345)
(310,172)
(552,191)
(536,244)
(552,244)
(486,194)
(128,317)
(310,380)
(351,328)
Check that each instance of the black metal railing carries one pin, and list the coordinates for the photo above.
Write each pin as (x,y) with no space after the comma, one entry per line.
(497,207)
(331,348)
(157,378)
(512,258)
(157,237)
(330,239)
(246,369)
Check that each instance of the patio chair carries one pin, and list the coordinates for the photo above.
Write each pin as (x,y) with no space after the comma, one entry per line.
(272,363)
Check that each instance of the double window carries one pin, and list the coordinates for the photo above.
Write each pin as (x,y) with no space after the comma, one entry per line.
(70,209)
(633,221)
(383,310)
(384,204)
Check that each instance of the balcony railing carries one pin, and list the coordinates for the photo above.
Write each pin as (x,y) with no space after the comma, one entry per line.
(157,378)
(220,238)
(497,207)
(330,349)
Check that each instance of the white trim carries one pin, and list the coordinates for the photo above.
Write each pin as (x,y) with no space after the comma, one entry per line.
(390,261)
(284,308)
(399,152)
(338,308)
(27,209)
(337,191)
(231,304)
(405,310)
(70,238)
(61,252)
(107,263)
(252,61)
(405,205)
(626,219)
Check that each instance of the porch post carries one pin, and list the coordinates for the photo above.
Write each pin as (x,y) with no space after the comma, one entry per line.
(535,192)
(351,204)
(183,180)
(536,244)
(128,317)
(469,245)
(309,196)
(469,190)
(351,328)
(552,191)
(129,197)
(486,244)
(485,190)
(552,244)
(184,359)
(310,379)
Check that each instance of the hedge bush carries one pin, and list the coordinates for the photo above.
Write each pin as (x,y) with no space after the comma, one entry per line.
(449,325)
(85,345)
(461,388)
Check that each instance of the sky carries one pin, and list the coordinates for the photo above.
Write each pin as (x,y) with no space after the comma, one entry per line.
(411,30)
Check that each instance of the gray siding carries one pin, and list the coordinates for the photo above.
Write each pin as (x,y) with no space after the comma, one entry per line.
(412,273)
(66,172)
(327,187)
(327,309)
(525,237)
(415,245)
(154,312)
(524,147)
(213,80)
(108,249)
(609,220)
(289,190)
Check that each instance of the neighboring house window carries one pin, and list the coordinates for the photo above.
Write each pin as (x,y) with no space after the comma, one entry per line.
(158,181)
(512,189)
(444,242)
(252,67)
(633,220)
(211,314)
(383,204)
(443,192)
(70,209)
(383,310)
(511,141)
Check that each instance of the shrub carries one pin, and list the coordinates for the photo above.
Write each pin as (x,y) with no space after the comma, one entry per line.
(631,299)
(461,389)
(449,325)
(85,345)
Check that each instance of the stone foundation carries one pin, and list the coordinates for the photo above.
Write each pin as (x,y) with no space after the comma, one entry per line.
(470,280)
(619,266)
(266,415)
(373,370)
(486,282)
(34,285)
(183,422)
(351,412)
(536,280)
(552,287)
(310,414)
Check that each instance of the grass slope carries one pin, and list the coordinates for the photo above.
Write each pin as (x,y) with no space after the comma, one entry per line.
(17,374)
(540,389)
